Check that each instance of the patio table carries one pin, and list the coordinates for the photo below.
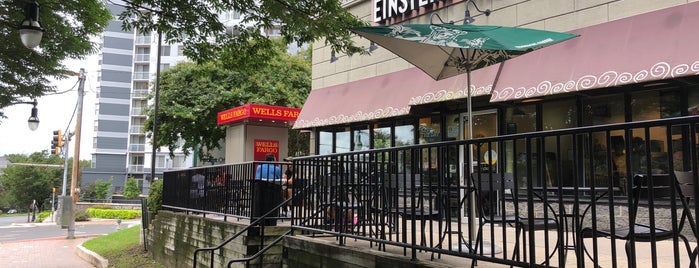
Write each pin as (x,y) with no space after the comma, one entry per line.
(571,219)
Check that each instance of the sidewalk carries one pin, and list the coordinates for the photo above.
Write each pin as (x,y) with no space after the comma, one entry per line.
(54,252)
(49,253)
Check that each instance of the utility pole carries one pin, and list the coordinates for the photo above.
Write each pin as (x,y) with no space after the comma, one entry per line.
(76,155)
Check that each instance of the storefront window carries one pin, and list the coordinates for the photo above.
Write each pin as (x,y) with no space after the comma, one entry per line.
(405,135)
(325,142)
(382,136)
(559,115)
(361,139)
(430,129)
(520,119)
(603,110)
(342,141)
(452,126)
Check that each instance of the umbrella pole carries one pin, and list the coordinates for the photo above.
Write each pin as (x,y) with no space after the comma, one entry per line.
(472,202)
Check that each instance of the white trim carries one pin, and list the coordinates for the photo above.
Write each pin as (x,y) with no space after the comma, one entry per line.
(113,117)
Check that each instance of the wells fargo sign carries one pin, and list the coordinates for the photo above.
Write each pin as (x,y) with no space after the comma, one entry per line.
(257,111)
(264,147)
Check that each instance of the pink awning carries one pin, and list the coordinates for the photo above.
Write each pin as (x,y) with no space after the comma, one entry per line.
(653,46)
(388,95)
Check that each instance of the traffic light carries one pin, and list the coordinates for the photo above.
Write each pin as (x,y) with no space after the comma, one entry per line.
(56,142)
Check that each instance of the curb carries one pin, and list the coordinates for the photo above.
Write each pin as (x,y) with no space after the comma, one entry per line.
(91,257)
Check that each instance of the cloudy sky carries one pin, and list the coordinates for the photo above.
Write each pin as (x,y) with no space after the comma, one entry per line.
(55,112)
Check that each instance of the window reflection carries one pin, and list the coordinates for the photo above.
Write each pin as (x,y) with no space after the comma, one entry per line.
(361,139)
(342,141)
(325,142)
(382,137)
(430,129)
(405,135)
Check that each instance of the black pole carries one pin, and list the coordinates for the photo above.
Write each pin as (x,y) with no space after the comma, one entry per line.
(155,109)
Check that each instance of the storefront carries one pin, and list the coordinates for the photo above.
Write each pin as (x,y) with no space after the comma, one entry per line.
(633,61)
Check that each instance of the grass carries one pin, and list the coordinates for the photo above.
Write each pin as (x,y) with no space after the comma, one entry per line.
(122,249)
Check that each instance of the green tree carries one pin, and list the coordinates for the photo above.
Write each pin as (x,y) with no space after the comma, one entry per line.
(14,185)
(191,95)
(198,26)
(68,27)
(131,190)
(155,196)
(23,184)
(102,188)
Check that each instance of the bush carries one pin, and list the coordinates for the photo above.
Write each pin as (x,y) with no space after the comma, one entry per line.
(155,197)
(81,216)
(113,213)
(131,190)
(42,216)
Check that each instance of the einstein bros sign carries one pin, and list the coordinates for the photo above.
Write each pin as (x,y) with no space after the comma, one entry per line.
(259,113)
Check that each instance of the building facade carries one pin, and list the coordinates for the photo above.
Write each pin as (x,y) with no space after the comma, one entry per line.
(633,61)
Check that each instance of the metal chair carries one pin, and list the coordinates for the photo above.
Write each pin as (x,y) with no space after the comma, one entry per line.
(492,212)
(652,188)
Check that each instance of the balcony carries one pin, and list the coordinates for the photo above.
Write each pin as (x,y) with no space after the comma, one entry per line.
(138,111)
(137,129)
(142,40)
(137,147)
(141,57)
(140,93)
(141,76)
(135,169)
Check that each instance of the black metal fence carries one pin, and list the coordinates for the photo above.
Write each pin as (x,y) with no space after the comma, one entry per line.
(617,195)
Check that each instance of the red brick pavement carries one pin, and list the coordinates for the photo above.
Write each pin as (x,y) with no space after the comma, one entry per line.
(42,253)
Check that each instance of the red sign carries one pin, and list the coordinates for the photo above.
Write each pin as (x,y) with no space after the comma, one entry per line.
(264,147)
(258,111)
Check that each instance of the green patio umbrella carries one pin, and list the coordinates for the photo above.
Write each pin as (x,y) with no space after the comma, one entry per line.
(445,50)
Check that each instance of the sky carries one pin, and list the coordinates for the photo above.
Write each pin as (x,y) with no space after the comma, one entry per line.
(54,112)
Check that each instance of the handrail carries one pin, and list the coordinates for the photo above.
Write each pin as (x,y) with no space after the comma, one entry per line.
(262,251)
(253,223)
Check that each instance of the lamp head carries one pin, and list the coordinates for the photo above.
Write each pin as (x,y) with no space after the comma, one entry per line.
(467,17)
(30,31)
(33,121)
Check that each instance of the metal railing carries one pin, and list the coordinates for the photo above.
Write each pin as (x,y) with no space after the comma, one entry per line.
(535,204)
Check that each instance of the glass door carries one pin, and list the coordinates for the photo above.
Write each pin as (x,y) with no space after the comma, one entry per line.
(485,124)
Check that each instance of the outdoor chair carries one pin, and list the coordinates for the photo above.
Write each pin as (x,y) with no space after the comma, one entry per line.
(653,189)
(491,189)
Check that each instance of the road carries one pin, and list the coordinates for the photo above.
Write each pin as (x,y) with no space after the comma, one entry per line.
(15,228)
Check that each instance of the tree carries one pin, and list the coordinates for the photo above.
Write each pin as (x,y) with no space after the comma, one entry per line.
(197,25)
(68,27)
(131,190)
(155,196)
(98,190)
(23,184)
(191,95)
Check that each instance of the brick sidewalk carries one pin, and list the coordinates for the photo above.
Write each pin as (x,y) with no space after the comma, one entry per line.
(48,253)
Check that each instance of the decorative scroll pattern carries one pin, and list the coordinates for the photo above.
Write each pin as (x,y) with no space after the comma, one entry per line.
(387,112)
(446,95)
(356,117)
(660,70)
